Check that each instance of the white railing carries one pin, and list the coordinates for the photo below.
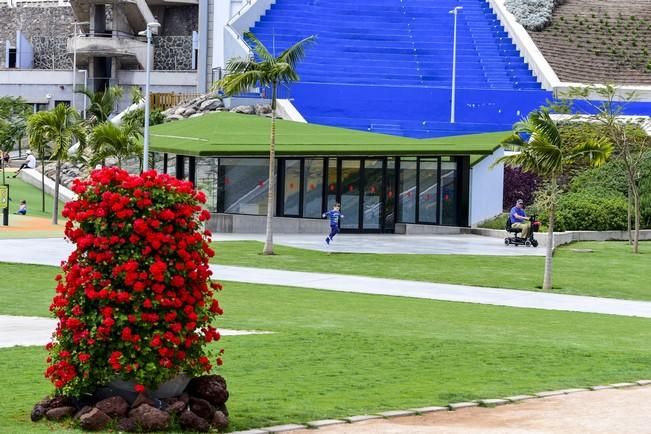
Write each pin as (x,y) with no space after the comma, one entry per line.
(240,22)
(532,55)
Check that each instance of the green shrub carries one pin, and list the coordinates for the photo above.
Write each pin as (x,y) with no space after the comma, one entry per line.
(589,211)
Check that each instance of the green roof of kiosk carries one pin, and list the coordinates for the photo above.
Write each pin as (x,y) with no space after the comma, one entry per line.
(231,134)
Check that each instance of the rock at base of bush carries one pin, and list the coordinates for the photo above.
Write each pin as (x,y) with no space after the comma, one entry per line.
(94,420)
(38,412)
(244,109)
(142,399)
(85,409)
(191,421)
(114,406)
(219,420)
(202,408)
(59,413)
(176,407)
(212,388)
(127,424)
(150,418)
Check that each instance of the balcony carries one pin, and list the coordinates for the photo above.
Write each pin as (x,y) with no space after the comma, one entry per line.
(108,45)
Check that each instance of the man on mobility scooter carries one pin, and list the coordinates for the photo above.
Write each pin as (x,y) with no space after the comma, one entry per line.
(519,223)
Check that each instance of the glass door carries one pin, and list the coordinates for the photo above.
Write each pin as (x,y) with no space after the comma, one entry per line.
(373,177)
(350,193)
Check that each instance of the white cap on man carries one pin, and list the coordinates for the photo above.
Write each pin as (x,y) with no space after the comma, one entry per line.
(29,152)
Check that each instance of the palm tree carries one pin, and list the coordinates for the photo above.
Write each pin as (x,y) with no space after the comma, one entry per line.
(60,127)
(121,142)
(102,103)
(13,118)
(269,71)
(546,155)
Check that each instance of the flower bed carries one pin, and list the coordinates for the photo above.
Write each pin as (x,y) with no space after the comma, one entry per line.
(135,301)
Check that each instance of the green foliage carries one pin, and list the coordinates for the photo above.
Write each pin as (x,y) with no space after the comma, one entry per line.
(608,179)
(102,104)
(589,211)
(136,118)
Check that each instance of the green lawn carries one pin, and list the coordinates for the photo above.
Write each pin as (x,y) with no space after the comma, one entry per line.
(610,271)
(338,354)
(19,190)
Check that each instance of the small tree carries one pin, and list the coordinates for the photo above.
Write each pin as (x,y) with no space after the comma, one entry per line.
(122,142)
(632,145)
(13,122)
(270,71)
(102,103)
(546,155)
(61,127)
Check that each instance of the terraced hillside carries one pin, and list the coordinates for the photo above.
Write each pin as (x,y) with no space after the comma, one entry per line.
(593,41)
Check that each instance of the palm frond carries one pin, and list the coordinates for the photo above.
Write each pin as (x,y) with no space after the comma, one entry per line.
(238,83)
(296,52)
(259,48)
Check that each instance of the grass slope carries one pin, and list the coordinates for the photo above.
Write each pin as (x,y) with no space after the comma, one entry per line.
(610,271)
(337,354)
(20,190)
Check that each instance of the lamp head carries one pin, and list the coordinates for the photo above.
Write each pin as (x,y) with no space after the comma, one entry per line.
(153,24)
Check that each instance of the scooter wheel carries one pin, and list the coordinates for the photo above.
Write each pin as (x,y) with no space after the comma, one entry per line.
(506,241)
(527,243)
(534,243)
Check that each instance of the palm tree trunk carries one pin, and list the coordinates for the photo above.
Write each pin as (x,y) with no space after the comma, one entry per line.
(549,249)
(271,196)
(636,210)
(629,215)
(55,213)
(43,183)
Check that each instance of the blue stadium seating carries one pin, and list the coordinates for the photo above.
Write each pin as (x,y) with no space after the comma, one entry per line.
(385,65)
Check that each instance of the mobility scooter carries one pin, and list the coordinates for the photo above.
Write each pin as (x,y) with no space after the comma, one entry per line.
(519,241)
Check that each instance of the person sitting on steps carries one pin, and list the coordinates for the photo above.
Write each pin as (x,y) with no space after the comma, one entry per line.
(519,219)
(29,163)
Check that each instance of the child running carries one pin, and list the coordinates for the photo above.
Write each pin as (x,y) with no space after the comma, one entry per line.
(333,215)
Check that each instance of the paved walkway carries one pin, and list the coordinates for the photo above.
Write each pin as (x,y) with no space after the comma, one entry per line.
(601,412)
(52,251)
(397,244)
(28,331)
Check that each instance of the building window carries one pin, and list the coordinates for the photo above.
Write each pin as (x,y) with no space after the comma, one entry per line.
(292,188)
(245,184)
(206,181)
(407,190)
(449,197)
(313,188)
(428,190)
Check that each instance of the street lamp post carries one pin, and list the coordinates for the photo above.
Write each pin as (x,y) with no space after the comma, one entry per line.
(454,12)
(74,59)
(145,150)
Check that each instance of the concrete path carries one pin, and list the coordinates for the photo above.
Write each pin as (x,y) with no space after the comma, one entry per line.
(394,244)
(52,251)
(601,412)
(27,331)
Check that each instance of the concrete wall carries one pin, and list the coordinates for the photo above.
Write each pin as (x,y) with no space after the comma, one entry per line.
(254,224)
(41,21)
(486,188)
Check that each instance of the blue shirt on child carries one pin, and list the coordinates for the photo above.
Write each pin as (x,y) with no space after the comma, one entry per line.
(334,217)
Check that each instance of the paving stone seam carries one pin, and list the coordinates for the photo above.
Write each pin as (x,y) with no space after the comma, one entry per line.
(454,406)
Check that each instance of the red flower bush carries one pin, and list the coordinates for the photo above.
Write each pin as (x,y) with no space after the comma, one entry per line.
(135,301)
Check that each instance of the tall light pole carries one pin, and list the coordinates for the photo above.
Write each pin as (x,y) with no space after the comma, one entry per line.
(454,12)
(145,147)
(74,59)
